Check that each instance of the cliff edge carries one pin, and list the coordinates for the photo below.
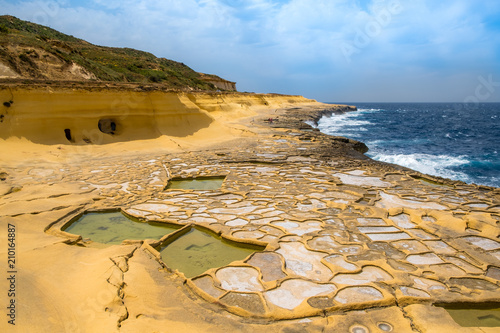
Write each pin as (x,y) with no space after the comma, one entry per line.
(102,115)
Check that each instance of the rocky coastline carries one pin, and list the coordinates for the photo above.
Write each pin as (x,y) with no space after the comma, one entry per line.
(349,244)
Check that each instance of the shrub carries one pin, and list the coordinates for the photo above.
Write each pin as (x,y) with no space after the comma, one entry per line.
(4,29)
(24,57)
(42,37)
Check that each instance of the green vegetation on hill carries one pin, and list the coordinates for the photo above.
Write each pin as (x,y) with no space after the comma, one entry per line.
(23,44)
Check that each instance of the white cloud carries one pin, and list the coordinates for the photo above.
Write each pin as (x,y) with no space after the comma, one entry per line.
(295,46)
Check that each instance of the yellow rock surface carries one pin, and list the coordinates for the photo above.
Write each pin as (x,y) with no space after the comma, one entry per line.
(351,245)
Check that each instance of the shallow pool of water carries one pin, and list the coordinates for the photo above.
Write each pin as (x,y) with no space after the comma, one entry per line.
(115,227)
(197,251)
(475,315)
(199,183)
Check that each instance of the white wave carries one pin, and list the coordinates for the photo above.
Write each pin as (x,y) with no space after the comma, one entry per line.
(435,165)
(368,110)
(374,144)
(337,124)
(311,123)
(341,124)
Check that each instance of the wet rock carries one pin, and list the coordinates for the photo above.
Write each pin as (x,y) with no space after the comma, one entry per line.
(249,302)
(358,295)
(474,284)
(239,279)
(291,293)
(270,265)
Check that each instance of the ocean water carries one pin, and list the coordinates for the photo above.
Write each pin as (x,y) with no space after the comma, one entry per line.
(455,141)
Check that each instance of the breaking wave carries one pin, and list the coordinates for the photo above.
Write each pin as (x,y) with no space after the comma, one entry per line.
(436,165)
(433,138)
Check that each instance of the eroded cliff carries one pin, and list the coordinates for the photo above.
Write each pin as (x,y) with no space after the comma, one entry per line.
(106,115)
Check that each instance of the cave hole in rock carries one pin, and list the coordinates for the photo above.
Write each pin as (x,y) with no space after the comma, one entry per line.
(107,126)
(67,134)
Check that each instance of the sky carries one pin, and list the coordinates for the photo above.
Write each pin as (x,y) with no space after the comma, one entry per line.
(329,50)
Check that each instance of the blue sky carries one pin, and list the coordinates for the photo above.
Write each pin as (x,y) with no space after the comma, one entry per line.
(330,50)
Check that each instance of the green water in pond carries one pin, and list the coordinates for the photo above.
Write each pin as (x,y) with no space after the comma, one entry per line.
(430,182)
(197,251)
(475,317)
(200,183)
(115,227)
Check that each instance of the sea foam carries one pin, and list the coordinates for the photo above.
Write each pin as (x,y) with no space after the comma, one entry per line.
(433,138)
(437,165)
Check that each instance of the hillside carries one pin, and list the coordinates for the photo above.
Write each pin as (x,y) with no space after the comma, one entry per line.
(33,51)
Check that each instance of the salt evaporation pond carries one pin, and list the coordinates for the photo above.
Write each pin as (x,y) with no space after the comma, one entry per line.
(476,315)
(197,251)
(115,227)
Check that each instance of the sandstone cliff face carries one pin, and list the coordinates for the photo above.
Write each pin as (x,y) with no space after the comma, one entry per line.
(218,82)
(7,73)
(100,116)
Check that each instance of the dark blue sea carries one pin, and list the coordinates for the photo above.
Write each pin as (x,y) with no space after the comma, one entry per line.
(456,141)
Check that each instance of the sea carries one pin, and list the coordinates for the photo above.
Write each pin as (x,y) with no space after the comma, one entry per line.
(450,140)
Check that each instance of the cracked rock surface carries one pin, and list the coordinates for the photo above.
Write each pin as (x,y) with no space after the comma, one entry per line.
(351,245)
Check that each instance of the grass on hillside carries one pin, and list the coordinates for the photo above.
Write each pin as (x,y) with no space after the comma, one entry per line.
(106,63)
